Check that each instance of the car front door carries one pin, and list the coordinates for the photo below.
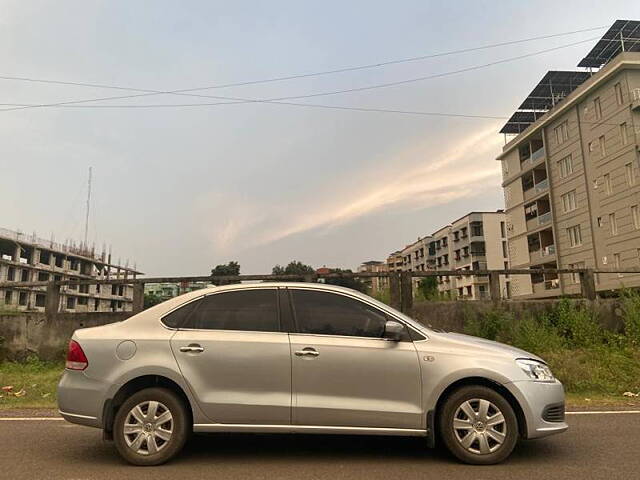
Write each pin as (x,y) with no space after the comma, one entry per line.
(344,372)
(236,358)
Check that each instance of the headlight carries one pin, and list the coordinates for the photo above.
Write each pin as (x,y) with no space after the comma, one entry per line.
(536,370)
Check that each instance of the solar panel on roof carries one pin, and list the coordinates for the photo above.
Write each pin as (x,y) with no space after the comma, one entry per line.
(623,35)
(551,89)
(519,121)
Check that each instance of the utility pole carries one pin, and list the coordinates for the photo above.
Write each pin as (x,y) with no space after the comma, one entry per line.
(86,221)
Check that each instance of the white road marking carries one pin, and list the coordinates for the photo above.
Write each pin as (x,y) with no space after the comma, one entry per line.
(29,419)
(602,412)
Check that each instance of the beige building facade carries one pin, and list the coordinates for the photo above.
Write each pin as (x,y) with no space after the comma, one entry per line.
(571,183)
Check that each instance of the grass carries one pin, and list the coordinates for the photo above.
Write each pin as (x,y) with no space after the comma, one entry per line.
(37,379)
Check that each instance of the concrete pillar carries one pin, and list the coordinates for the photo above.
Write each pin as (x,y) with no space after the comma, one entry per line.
(406,293)
(16,253)
(588,284)
(138,297)
(494,286)
(53,300)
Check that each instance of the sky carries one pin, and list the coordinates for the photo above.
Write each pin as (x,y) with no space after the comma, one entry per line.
(177,190)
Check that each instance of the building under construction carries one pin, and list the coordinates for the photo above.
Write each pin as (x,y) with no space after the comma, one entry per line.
(27,258)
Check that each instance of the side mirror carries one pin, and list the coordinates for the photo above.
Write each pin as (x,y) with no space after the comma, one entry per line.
(393,331)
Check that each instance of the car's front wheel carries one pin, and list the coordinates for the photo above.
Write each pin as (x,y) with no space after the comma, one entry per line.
(478,425)
(151,426)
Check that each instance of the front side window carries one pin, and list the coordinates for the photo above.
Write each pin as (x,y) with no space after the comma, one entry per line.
(333,314)
(248,310)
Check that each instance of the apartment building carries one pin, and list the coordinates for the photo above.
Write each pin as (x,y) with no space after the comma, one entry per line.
(26,258)
(375,284)
(395,261)
(571,176)
(474,241)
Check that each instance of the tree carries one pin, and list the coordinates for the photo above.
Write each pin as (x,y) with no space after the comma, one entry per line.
(294,268)
(348,282)
(428,288)
(151,299)
(231,268)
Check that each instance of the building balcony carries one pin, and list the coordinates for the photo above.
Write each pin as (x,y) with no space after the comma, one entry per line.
(537,155)
(542,255)
(542,186)
(548,286)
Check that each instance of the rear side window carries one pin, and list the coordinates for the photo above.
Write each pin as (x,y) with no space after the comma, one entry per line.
(177,318)
(331,314)
(249,310)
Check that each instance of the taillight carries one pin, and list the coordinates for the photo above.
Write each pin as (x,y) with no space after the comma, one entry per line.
(76,359)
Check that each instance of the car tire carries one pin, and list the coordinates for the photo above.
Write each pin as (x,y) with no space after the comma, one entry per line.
(478,425)
(151,427)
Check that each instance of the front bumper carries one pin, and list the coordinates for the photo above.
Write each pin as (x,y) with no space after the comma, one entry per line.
(535,398)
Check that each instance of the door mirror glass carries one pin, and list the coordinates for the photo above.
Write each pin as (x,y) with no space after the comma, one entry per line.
(393,331)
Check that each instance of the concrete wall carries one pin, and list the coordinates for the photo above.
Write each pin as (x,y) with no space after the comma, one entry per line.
(450,316)
(32,333)
(23,334)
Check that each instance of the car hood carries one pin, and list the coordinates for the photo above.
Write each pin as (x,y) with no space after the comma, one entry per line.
(489,345)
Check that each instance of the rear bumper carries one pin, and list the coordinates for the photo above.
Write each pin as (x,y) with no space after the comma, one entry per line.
(535,398)
(80,398)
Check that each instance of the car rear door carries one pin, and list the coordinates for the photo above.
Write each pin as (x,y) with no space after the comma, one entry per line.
(344,372)
(236,358)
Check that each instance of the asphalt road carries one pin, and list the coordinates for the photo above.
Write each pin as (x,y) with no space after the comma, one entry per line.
(601,446)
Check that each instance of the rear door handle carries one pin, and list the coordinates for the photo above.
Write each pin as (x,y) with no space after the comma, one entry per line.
(307,352)
(192,348)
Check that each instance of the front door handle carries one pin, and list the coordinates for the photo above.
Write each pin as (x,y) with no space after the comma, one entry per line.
(307,352)
(192,348)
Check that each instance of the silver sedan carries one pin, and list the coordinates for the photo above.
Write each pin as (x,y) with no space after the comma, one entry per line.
(301,358)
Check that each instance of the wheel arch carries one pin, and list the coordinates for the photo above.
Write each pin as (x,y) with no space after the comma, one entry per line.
(475,381)
(134,385)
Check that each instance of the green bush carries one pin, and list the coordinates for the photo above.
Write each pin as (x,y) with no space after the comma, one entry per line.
(631,316)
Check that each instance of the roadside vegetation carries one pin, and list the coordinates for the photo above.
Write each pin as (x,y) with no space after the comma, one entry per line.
(595,364)
(29,384)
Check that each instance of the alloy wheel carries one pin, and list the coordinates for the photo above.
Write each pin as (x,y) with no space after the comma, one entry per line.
(148,427)
(479,426)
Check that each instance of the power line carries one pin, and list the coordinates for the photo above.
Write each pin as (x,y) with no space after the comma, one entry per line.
(276,100)
(325,72)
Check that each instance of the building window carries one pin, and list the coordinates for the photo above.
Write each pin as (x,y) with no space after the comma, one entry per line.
(40,299)
(630,174)
(503,232)
(575,236)
(71,303)
(616,262)
(7,297)
(22,298)
(562,132)
(613,225)
(635,215)
(601,143)
(43,277)
(618,89)
(597,108)
(565,166)
(569,201)
(623,133)
(608,190)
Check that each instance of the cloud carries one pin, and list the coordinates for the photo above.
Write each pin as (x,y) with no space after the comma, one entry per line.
(431,179)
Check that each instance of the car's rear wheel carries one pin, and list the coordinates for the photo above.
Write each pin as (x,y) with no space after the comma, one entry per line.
(478,425)
(151,426)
